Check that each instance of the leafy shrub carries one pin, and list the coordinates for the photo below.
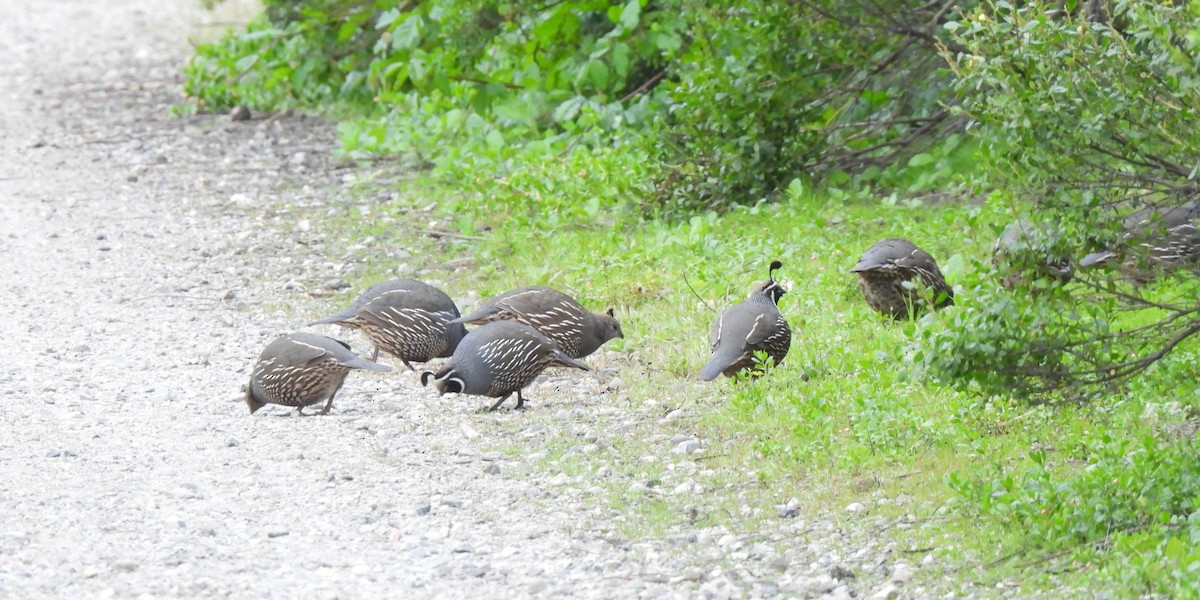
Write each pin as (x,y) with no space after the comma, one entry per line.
(1086,116)
(733,100)
(1142,493)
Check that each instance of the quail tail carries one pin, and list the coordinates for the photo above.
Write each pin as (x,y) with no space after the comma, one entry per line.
(476,316)
(335,319)
(362,363)
(718,363)
(1096,258)
(564,359)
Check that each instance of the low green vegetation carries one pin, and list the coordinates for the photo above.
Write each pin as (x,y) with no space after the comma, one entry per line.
(656,157)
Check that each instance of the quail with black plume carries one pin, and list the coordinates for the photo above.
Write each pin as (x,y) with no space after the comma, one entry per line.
(752,326)
(406,318)
(302,369)
(887,274)
(497,360)
(1154,239)
(577,331)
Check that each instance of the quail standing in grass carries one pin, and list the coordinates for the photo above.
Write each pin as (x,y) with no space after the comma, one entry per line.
(1154,239)
(408,319)
(1023,242)
(497,360)
(302,369)
(888,273)
(755,325)
(556,315)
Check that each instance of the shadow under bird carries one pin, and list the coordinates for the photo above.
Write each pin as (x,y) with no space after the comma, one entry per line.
(406,318)
(497,360)
(1153,237)
(302,369)
(887,271)
(752,326)
(577,331)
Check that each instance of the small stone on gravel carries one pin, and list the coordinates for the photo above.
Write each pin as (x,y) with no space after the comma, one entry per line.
(841,573)
(887,592)
(125,566)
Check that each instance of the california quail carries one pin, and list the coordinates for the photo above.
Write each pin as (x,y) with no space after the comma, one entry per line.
(1022,239)
(752,326)
(556,315)
(498,359)
(1153,237)
(886,273)
(405,318)
(302,369)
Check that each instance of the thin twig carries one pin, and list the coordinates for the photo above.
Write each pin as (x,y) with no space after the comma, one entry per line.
(458,236)
(689,284)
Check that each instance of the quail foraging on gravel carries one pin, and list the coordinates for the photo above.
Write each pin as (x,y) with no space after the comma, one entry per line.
(556,315)
(886,273)
(1024,236)
(497,360)
(1153,237)
(302,369)
(752,326)
(408,319)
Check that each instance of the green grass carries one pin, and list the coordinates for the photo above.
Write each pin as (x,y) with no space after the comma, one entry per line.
(849,416)
(1102,497)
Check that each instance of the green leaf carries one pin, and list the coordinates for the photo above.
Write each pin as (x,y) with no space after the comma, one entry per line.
(620,59)
(631,14)
(495,139)
(417,69)
(407,35)
(517,110)
(921,159)
(598,74)
(386,18)
(568,110)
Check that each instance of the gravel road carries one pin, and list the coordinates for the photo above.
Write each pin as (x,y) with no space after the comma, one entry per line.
(146,258)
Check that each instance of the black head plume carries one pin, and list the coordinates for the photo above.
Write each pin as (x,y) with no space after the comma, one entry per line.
(425,377)
(772,287)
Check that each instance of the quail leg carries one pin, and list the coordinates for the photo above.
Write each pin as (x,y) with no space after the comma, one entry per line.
(501,401)
(328,405)
(410,367)
(520,401)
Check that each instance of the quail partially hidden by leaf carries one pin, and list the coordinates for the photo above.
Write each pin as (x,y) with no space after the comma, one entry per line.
(1154,239)
(406,318)
(497,360)
(755,325)
(556,315)
(888,275)
(302,369)
(1023,253)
